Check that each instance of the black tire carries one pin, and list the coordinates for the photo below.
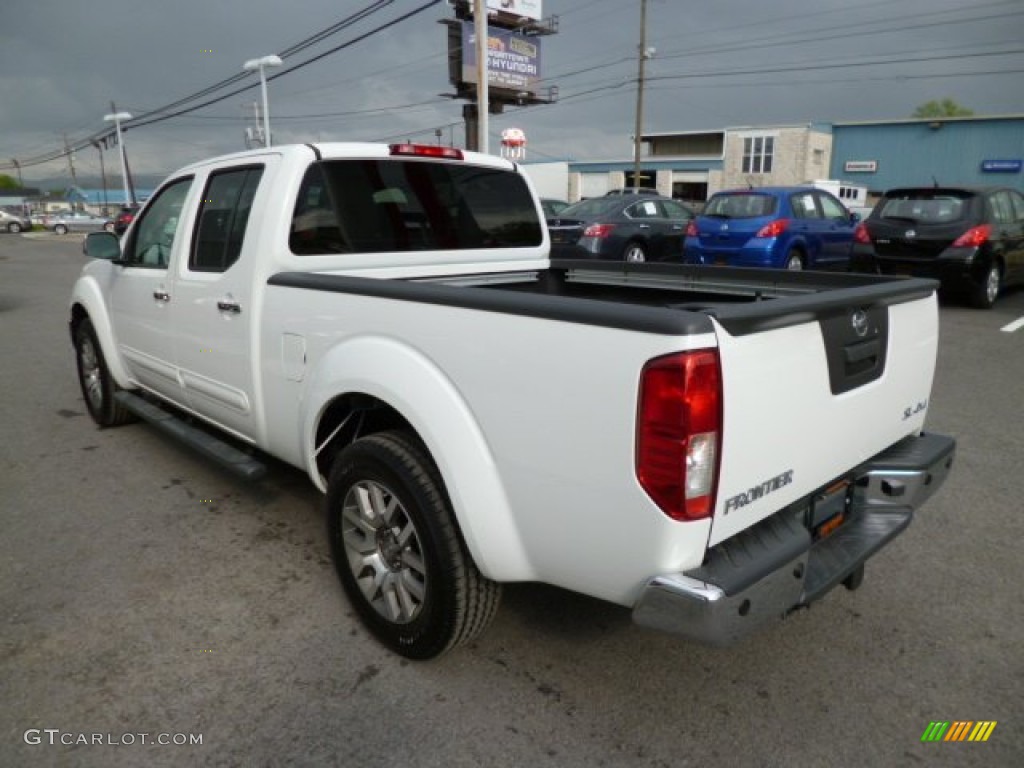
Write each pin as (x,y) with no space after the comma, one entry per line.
(794,261)
(984,295)
(61,229)
(407,572)
(634,253)
(14,227)
(94,378)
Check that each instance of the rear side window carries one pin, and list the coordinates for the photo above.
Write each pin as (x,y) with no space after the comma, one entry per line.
(1002,208)
(648,209)
(223,215)
(741,206)
(925,207)
(804,206)
(375,206)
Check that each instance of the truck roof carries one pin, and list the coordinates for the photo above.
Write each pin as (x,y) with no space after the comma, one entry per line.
(350,149)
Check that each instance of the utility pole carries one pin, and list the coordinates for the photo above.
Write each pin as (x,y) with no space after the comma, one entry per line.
(482,73)
(103,174)
(17,167)
(641,58)
(71,160)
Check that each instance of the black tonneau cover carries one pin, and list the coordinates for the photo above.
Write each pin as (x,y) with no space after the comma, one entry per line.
(665,299)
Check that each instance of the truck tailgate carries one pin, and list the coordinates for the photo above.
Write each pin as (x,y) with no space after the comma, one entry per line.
(810,400)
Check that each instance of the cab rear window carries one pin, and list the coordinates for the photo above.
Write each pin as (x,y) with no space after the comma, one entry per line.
(388,205)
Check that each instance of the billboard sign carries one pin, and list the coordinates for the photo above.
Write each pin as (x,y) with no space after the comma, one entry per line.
(513,61)
(528,9)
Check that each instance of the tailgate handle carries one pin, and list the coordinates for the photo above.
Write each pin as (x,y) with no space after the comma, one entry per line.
(861,351)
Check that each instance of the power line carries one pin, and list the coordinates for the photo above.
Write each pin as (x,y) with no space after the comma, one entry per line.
(376,30)
(161,114)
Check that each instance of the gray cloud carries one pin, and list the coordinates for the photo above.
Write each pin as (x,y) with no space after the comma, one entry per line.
(62,62)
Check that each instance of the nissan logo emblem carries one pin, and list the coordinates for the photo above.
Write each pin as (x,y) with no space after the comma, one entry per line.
(859,322)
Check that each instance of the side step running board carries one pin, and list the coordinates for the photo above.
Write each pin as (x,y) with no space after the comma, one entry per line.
(209,446)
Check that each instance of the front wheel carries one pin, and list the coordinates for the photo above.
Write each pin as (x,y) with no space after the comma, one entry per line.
(14,227)
(398,552)
(984,295)
(61,229)
(94,377)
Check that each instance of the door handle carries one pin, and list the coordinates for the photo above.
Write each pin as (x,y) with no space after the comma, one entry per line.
(226,305)
(161,295)
(645,226)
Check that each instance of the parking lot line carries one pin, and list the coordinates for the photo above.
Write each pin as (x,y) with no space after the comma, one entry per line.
(1016,325)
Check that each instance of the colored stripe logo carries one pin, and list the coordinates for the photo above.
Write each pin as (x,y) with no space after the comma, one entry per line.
(959,730)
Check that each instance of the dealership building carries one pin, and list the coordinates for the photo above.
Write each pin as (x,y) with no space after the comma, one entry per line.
(879,155)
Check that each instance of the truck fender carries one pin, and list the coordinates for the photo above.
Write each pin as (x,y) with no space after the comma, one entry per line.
(406,380)
(87,296)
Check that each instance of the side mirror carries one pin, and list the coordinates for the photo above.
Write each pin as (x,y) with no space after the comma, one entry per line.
(102,245)
(854,218)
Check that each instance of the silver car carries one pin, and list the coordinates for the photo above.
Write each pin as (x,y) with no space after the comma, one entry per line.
(14,224)
(76,221)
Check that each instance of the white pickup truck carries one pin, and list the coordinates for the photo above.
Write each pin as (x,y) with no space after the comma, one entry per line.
(710,447)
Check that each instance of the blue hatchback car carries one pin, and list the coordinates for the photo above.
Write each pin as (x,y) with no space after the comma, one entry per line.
(780,227)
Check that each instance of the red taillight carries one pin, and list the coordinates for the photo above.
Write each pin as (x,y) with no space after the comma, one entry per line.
(426,150)
(691,229)
(860,235)
(774,229)
(679,428)
(974,237)
(598,230)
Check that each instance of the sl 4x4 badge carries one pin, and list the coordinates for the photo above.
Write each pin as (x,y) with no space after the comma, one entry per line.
(914,410)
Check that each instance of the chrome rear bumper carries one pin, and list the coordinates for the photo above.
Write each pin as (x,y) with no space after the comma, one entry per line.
(762,574)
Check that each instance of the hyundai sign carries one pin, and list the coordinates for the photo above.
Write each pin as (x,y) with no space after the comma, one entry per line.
(1002,166)
(513,61)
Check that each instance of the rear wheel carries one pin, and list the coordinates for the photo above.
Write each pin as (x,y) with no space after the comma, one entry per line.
(634,253)
(98,387)
(61,229)
(984,295)
(14,227)
(398,551)
(794,261)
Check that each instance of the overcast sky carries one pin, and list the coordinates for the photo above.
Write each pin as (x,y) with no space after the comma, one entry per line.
(716,64)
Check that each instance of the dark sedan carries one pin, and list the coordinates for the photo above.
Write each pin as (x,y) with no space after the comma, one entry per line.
(621,227)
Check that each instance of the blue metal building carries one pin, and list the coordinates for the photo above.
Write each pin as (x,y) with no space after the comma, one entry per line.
(948,150)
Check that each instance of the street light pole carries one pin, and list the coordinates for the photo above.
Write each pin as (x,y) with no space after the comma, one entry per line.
(259,64)
(117,117)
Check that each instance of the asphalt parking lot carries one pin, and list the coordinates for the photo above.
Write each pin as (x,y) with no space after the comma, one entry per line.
(145,592)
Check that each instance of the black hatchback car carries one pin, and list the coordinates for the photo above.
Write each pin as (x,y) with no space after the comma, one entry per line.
(621,227)
(970,238)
